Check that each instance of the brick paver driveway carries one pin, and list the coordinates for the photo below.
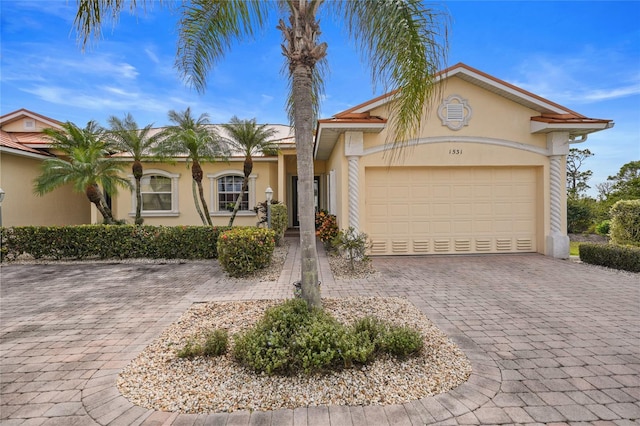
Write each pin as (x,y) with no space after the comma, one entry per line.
(550,341)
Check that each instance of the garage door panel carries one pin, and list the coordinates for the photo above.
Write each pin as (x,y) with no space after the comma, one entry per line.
(451,210)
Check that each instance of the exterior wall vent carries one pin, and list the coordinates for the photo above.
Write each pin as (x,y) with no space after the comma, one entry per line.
(399,246)
(29,124)
(503,244)
(421,246)
(454,112)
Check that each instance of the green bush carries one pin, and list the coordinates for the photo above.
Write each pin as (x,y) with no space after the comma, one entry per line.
(402,341)
(353,244)
(603,227)
(243,250)
(580,215)
(626,258)
(291,338)
(215,344)
(279,222)
(110,242)
(625,222)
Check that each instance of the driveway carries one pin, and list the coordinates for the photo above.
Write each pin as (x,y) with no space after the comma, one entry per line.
(550,341)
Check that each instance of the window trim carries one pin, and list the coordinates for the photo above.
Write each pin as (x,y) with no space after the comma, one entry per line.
(175,211)
(213,193)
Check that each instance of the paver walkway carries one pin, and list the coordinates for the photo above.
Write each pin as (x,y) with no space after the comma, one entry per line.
(551,341)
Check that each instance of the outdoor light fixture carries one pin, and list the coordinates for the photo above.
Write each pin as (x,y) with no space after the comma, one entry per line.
(269,194)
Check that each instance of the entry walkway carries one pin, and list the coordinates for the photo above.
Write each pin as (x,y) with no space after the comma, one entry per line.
(550,341)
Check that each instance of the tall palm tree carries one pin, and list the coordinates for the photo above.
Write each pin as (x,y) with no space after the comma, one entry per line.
(127,137)
(249,139)
(404,41)
(195,138)
(84,163)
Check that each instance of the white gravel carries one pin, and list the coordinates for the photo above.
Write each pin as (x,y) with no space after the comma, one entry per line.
(157,379)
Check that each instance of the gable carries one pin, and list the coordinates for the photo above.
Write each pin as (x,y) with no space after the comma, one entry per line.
(497,109)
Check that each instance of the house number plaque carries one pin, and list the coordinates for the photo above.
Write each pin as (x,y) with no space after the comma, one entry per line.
(455,152)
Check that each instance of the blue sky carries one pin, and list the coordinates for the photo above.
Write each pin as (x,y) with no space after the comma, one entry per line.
(583,55)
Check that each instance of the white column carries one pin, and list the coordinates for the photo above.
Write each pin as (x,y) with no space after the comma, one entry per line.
(354,196)
(557,239)
(353,149)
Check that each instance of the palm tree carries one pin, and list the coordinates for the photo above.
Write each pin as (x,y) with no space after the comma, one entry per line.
(87,165)
(404,41)
(196,139)
(249,139)
(127,137)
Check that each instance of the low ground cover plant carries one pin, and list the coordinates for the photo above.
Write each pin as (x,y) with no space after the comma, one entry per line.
(290,338)
(214,344)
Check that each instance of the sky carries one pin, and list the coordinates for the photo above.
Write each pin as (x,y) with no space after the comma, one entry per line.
(583,55)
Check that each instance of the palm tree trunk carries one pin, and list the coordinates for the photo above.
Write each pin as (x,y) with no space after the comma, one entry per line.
(136,168)
(238,201)
(196,173)
(303,122)
(95,196)
(247,169)
(194,190)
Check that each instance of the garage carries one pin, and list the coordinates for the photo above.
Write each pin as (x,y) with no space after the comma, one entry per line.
(451,210)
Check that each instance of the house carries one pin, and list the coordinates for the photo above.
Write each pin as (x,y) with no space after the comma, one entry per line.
(486,174)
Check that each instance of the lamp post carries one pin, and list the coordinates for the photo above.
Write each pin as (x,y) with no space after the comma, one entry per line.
(269,194)
(1,200)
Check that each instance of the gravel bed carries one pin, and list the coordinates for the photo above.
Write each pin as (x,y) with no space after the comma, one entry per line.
(157,379)
(341,267)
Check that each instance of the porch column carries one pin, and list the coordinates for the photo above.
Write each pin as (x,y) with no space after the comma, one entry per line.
(354,195)
(353,149)
(557,239)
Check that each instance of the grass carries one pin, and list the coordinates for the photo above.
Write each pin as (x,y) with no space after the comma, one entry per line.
(573,248)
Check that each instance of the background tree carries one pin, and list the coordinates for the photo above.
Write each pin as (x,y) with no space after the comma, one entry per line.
(195,139)
(404,42)
(84,163)
(127,137)
(576,178)
(249,139)
(626,184)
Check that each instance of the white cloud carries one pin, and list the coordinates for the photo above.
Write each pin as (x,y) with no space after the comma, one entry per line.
(151,54)
(578,80)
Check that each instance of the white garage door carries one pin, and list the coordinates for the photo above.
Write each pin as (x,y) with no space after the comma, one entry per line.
(451,210)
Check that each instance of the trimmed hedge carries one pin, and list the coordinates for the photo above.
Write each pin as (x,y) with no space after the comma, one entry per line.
(243,250)
(626,258)
(279,222)
(110,242)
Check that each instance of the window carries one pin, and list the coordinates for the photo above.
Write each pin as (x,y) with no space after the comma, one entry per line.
(229,188)
(159,191)
(156,193)
(225,188)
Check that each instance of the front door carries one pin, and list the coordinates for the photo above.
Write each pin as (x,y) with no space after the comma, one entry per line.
(316,197)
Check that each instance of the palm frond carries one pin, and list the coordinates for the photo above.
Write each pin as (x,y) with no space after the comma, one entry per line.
(208,28)
(405,43)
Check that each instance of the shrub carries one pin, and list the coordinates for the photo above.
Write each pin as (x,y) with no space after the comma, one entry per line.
(261,211)
(215,344)
(625,222)
(243,250)
(579,215)
(612,256)
(402,341)
(110,242)
(291,338)
(279,222)
(352,243)
(603,227)
(326,227)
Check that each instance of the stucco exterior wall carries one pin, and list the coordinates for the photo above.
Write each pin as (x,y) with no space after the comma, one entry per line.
(21,207)
(265,173)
